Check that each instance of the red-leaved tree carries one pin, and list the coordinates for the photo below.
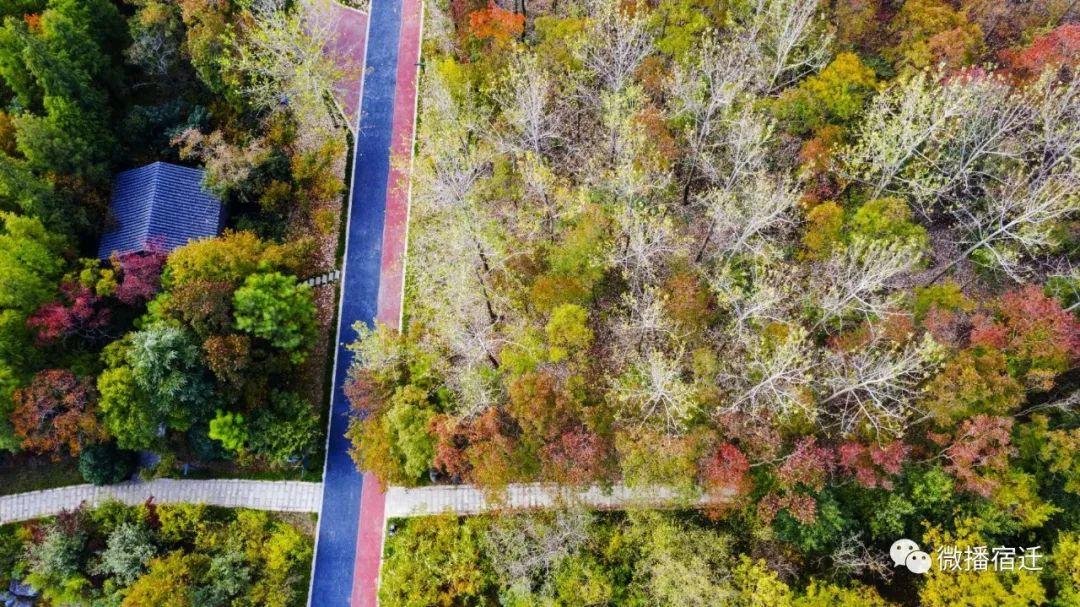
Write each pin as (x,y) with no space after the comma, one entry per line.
(79,312)
(1055,49)
(496,24)
(978,453)
(809,465)
(1040,339)
(872,465)
(575,457)
(800,506)
(140,275)
(482,450)
(724,473)
(56,412)
(804,471)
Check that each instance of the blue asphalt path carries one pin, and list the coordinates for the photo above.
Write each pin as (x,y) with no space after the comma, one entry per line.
(335,548)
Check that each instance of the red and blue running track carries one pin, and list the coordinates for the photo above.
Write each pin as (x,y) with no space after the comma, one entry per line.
(348,543)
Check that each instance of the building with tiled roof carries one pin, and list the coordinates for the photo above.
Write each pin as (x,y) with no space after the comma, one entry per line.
(161,206)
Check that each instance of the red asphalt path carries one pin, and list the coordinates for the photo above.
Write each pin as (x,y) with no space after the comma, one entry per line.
(396,226)
(346,45)
(369,541)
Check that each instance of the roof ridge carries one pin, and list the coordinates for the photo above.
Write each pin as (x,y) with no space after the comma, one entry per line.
(155,173)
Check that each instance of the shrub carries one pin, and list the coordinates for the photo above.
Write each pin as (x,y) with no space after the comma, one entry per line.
(204,447)
(106,464)
(231,429)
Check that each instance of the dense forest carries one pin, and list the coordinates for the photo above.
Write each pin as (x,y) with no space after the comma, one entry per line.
(814,262)
(214,352)
(161,555)
(642,558)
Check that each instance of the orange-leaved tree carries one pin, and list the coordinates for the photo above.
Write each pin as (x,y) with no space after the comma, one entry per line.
(57,411)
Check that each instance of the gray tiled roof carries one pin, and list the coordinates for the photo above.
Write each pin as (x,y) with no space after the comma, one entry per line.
(161,204)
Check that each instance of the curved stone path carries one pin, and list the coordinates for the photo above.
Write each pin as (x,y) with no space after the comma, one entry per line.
(278,496)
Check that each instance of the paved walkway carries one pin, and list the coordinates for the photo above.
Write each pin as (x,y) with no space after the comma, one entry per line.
(279,496)
(349,538)
(465,500)
(346,28)
(391,278)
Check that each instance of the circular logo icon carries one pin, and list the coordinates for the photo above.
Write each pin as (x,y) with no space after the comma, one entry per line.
(918,562)
(900,550)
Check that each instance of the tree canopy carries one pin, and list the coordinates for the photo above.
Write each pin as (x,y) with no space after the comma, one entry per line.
(809,265)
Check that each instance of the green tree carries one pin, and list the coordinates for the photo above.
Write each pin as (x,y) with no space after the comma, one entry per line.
(67,64)
(978,588)
(169,582)
(823,594)
(931,489)
(975,381)
(889,516)
(9,440)
(22,84)
(282,55)
(229,577)
(408,424)
(180,523)
(683,22)
(834,96)
(21,189)
(12,552)
(944,297)
(230,258)
(584,581)
(1051,453)
(989,587)
(126,409)
(825,532)
(888,220)
(56,562)
(129,549)
(30,263)
(275,307)
(104,464)
(650,458)
(284,557)
(434,561)
(287,428)
(231,429)
(166,366)
(758,586)
(568,332)
(1065,568)
(824,230)
(679,564)
(207,23)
